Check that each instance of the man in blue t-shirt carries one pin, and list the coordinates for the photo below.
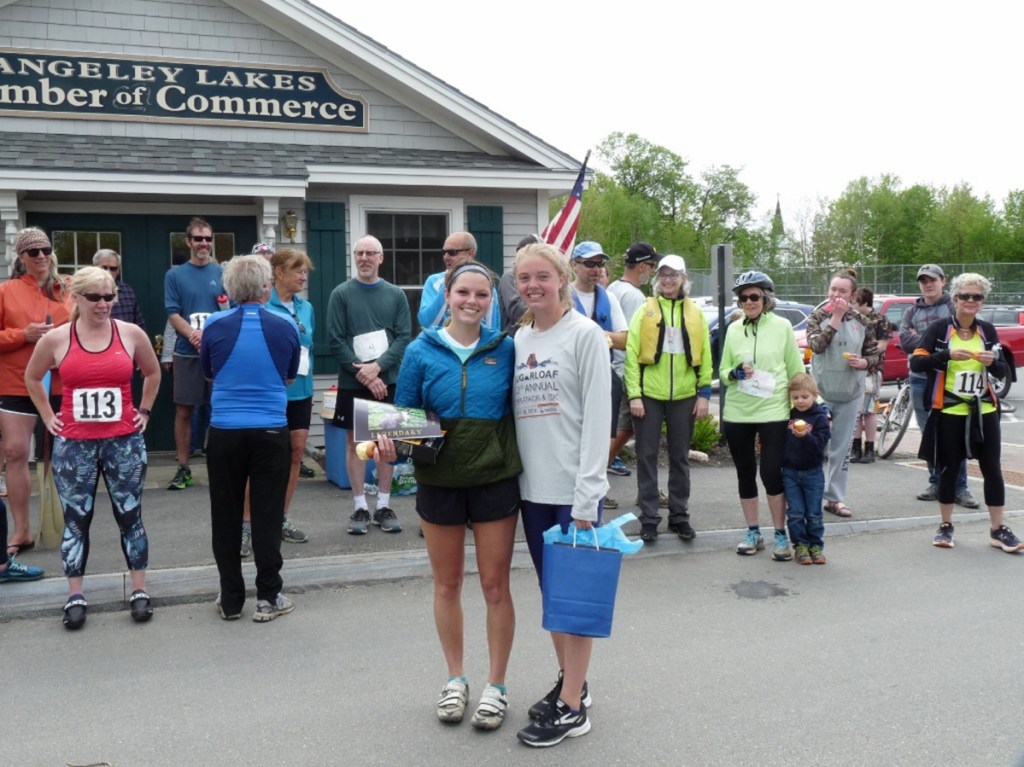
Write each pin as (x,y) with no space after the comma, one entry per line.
(433,309)
(192,292)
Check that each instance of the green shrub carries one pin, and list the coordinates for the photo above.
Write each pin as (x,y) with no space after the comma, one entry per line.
(705,434)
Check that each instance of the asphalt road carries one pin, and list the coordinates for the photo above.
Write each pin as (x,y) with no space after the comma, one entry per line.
(894,653)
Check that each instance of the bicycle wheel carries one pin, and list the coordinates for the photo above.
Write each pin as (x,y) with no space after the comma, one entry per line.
(894,425)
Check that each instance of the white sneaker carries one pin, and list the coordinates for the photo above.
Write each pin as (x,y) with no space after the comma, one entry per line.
(267,611)
(451,706)
(490,711)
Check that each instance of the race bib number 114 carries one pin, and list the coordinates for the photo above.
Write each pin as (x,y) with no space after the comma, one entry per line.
(969,383)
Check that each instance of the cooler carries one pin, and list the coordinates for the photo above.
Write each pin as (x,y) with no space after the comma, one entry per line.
(334,458)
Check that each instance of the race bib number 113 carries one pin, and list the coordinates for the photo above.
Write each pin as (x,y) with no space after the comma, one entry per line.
(97,405)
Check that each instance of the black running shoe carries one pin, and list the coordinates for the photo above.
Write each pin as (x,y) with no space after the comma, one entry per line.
(182,479)
(141,608)
(538,709)
(74,612)
(683,529)
(558,724)
(944,537)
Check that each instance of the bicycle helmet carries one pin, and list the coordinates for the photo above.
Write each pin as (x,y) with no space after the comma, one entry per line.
(754,279)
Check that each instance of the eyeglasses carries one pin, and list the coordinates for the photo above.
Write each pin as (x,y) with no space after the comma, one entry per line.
(590,264)
(453,251)
(96,297)
(201,239)
(110,268)
(358,253)
(670,275)
(751,298)
(34,252)
(971,296)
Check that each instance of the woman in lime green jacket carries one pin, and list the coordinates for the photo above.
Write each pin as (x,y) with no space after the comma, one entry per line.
(759,357)
(668,380)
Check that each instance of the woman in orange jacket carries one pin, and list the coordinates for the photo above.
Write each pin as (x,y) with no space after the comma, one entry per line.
(32,302)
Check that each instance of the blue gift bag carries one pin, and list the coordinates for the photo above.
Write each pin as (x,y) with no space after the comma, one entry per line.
(578,589)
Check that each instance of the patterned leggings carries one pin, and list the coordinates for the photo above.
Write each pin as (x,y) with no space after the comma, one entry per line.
(77,465)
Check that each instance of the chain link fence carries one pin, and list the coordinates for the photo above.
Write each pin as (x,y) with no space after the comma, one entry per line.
(810,285)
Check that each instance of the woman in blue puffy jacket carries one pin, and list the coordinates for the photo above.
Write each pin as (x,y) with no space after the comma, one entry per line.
(463,372)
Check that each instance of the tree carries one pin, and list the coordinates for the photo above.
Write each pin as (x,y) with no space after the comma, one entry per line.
(721,212)
(616,217)
(649,171)
(963,229)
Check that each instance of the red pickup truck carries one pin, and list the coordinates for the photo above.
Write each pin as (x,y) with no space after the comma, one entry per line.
(1009,322)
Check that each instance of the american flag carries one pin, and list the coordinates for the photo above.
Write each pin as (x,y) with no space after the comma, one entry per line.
(561,232)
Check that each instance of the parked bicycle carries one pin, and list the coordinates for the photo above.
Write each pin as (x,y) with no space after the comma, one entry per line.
(895,418)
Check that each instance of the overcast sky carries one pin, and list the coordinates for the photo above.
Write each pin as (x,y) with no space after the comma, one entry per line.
(803,96)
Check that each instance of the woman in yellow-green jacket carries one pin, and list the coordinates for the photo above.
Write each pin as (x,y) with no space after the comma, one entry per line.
(668,380)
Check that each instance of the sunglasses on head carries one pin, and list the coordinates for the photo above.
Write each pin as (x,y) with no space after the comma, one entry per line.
(971,296)
(96,297)
(752,298)
(201,239)
(34,252)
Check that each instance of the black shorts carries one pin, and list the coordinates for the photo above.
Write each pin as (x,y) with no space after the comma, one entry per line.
(343,408)
(22,404)
(190,385)
(458,505)
(299,413)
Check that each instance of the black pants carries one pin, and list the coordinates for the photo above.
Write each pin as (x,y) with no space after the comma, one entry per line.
(741,438)
(952,450)
(261,458)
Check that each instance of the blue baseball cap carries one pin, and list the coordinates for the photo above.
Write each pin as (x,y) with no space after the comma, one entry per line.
(588,249)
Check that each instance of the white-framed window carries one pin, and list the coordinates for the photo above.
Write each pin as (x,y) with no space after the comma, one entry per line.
(416,228)
(75,249)
(412,231)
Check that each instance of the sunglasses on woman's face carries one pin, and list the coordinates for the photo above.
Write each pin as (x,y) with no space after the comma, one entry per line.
(752,298)
(971,296)
(96,297)
(35,252)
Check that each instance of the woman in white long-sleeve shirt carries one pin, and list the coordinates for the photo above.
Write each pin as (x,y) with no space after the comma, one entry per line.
(562,400)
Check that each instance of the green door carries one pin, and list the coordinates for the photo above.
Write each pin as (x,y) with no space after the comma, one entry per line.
(146,245)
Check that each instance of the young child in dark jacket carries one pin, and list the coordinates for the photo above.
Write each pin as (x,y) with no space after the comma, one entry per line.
(803,476)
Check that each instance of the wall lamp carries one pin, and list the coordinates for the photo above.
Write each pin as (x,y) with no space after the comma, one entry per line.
(290,222)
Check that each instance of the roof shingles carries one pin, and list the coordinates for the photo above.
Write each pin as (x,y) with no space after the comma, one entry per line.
(228,158)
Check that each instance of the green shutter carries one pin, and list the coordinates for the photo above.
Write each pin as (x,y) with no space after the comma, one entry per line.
(486,223)
(325,238)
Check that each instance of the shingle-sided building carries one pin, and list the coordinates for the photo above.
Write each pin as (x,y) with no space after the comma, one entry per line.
(273,120)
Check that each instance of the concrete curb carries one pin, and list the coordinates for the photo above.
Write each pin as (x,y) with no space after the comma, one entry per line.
(194,584)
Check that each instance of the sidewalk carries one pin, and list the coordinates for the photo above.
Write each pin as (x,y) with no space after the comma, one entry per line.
(882,496)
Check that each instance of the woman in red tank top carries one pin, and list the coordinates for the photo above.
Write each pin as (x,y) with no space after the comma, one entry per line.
(98,429)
